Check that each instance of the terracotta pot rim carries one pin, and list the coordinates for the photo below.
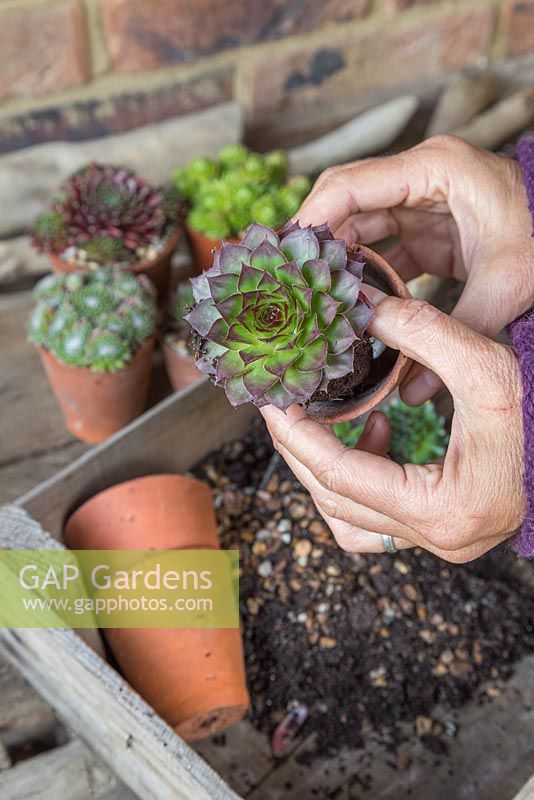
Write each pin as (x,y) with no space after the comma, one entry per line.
(117,487)
(172,239)
(147,344)
(332,411)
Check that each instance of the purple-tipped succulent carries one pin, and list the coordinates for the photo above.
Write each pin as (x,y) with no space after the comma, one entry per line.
(279,316)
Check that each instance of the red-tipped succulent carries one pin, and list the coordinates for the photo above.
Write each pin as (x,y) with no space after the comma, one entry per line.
(102,200)
(279,316)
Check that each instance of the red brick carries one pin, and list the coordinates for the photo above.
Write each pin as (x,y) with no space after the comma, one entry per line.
(103,116)
(42,49)
(519,25)
(304,77)
(145,35)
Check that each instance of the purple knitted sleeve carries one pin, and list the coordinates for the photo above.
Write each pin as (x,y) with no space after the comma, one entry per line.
(522,336)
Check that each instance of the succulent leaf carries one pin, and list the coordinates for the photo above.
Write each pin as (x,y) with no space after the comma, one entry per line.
(278,321)
(49,232)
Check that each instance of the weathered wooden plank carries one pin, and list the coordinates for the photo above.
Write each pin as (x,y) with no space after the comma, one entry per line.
(98,704)
(171,437)
(24,473)
(23,712)
(527,792)
(31,422)
(20,262)
(368,133)
(70,772)
(467,94)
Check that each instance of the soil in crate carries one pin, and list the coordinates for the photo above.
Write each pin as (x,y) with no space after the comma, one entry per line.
(363,642)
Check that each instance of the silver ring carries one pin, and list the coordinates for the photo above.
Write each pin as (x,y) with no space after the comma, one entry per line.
(389,544)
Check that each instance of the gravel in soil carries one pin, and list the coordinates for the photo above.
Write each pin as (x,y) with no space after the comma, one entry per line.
(362,642)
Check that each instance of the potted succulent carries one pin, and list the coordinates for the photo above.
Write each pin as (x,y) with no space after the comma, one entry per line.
(418,435)
(194,678)
(108,216)
(177,344)
(281,319)
(95,333)
(226,196)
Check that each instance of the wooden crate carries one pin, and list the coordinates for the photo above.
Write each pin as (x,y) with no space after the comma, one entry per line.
(68,671)
(116,748)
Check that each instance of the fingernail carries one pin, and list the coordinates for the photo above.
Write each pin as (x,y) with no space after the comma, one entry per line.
(421,388)
(371,422)
(373,294)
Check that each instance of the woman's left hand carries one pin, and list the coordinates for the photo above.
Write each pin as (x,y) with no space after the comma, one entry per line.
(457,510)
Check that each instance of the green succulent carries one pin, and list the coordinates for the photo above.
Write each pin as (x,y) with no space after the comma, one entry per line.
(202,169)
(289,200)
(108,352)
(49,232)
(39,322)
(300,184)
(139,321)
(211,223)
(225,197)
(279,316)
(233,155)
(418,435)
(63,319)
(278,164)
(127,284)
(71,348)
(265,212)
(96,319)
(348,433)
(93,300)
(106,250)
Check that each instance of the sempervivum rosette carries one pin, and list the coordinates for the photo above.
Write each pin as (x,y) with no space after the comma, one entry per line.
(106,201)
(279,316)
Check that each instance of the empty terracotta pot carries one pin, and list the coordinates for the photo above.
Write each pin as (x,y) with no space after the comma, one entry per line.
(96,405)
(156,512)
(181,369)
(387,370)
(203,248)
(158,269)
(194,678)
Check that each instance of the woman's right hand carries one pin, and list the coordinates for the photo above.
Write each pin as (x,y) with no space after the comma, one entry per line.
(458,211)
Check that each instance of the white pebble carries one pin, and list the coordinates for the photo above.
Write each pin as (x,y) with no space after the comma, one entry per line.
(265,569)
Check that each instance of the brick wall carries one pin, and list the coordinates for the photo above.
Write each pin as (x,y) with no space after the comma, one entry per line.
(82,68)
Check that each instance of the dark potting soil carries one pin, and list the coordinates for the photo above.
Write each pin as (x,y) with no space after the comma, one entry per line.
(363,642)
(340,388)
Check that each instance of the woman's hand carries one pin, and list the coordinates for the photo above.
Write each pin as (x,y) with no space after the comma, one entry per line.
(458,211)
(457,510)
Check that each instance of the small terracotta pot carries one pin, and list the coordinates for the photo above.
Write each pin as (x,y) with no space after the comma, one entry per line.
(388,369)
(181,370)
(203,248)
(96,405)
(194,678)
(158,270)
(159,512)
